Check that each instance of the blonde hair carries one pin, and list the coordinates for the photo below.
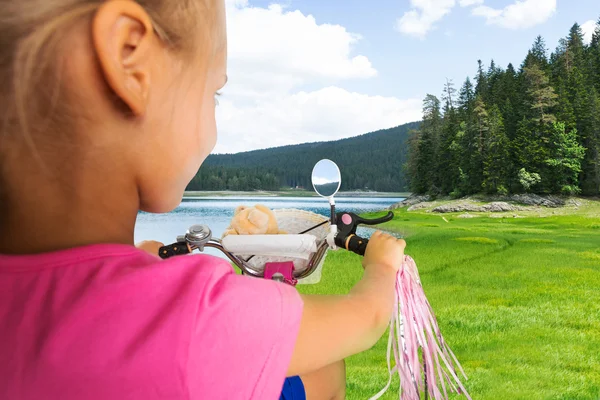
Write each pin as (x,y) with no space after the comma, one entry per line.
(31,32)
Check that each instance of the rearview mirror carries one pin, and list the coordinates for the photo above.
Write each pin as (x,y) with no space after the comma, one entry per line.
(326,178)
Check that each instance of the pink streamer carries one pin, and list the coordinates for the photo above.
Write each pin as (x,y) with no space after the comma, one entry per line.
(413,326)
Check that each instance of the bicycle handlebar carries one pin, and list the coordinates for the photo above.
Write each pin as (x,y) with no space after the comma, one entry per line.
(199,236)
(182,248)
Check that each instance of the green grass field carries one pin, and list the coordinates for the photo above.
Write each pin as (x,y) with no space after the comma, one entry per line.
(517,299)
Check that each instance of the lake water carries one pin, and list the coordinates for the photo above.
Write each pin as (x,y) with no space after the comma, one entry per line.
(216,212)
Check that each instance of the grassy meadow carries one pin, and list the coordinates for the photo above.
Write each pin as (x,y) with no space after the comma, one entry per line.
(517,299)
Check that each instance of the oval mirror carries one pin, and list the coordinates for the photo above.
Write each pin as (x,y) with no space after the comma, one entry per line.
(326,178)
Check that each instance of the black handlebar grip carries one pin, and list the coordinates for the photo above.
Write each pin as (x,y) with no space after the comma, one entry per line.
(356,244)
(376,221)
(175,249)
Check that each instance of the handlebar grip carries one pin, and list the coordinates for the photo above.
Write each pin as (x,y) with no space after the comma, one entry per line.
(175,249)
(356,244)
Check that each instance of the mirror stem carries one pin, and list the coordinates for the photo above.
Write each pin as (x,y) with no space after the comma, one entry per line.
(332,204)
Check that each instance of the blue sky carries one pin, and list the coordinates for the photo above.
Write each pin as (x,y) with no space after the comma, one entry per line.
(312,88)
(410,66)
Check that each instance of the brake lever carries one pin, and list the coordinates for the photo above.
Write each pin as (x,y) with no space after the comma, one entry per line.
(376,221)
(345,219)
(348,222)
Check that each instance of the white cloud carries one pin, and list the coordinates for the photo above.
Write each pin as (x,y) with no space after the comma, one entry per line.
(520,15)
(275,56)
(588,29)
(469,3)
(294,42)
(272,51)
(424,14)
(422,17)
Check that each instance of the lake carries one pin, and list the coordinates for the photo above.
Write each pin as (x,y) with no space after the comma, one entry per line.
(216,212)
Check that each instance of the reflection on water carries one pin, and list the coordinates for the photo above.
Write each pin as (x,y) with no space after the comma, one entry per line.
(216,212)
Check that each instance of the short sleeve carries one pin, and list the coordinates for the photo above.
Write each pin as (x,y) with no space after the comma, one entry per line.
(243,337)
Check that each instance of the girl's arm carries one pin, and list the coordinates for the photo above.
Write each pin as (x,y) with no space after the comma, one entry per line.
(335,327)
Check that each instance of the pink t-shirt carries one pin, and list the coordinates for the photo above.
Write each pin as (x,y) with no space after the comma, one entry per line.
(113,322)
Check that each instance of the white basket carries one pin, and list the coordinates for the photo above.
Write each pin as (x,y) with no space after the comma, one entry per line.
(294,221)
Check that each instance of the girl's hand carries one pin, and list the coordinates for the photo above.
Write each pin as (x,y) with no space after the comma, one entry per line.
(384,250)
(150,246)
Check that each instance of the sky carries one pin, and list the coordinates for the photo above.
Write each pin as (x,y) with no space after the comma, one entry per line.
(317,70)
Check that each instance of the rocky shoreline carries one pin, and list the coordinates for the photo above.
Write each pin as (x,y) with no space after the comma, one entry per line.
(488,204)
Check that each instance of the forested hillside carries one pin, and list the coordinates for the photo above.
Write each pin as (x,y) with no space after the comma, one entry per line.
(372,161)
(533,128)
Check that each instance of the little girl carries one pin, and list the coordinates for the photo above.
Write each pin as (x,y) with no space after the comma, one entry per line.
(107,108)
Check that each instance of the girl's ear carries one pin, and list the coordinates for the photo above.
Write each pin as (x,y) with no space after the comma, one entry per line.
(123,37)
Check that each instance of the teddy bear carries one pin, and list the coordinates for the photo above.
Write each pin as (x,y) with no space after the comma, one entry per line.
(257,220)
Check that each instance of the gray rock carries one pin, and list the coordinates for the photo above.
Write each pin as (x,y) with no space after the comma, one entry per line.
(498,206)
(453,208)
(411,201)
(536,200)
(419,206)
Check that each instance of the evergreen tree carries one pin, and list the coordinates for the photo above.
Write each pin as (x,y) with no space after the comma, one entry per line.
(447,166)
(508,100)
(495,83)
(481,88)
(594,55)
(449,96)
(479,134)
(590,177)
(564,109)
(539,53)
(417,175)
(578,105)
(575,45)
(461,160)
(577,82)
(541,95)
(428,143)
(464,146)
(466,99)
(532,139)
(496,160)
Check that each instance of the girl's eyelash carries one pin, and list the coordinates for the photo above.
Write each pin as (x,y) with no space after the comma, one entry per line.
(217,95)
